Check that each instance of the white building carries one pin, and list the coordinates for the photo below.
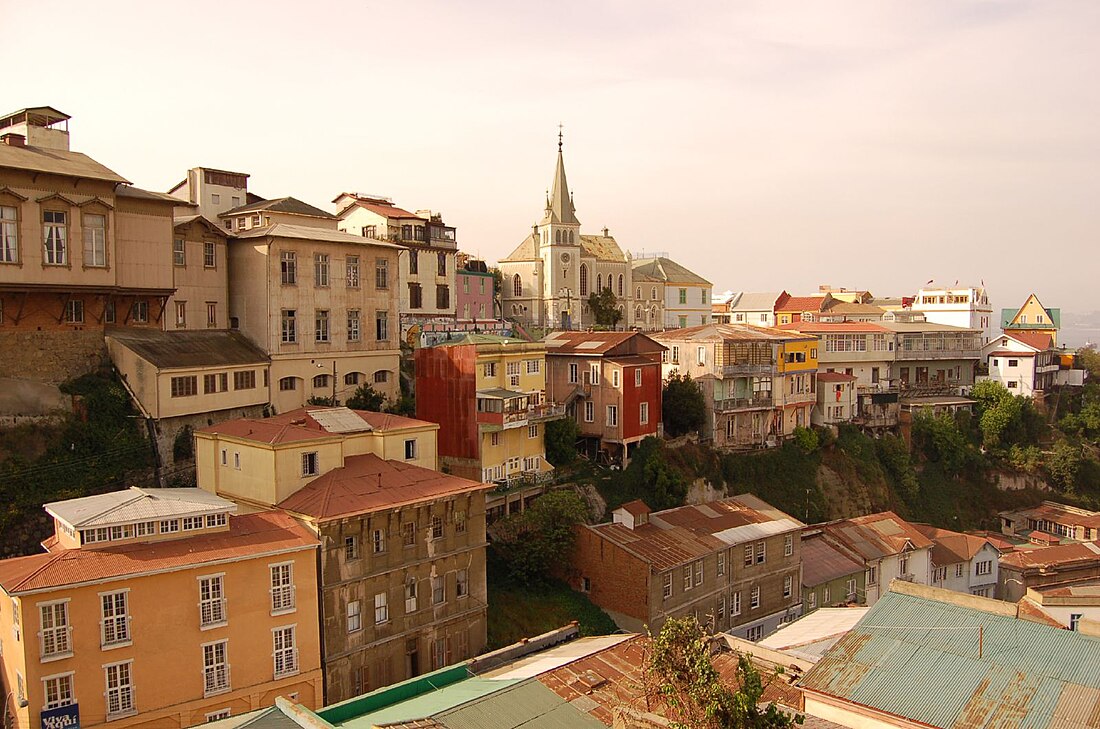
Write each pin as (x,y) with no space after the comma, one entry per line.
(962,562)
(757,309)
(888,547)
(686,295)
(1065,604)
(1024,362)
(966,307)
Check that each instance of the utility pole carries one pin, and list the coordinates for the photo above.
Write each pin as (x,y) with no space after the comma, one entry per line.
(334,403)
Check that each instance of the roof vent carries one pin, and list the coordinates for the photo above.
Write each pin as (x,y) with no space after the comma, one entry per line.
(298,421)
(591,680)
(14,140)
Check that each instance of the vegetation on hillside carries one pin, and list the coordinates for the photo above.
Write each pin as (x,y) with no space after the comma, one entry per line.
(101,449)
(682,405)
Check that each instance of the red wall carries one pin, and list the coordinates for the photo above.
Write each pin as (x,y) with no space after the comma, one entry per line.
(650,392)
(446,393)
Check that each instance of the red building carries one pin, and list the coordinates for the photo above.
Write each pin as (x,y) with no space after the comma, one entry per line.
(610,383)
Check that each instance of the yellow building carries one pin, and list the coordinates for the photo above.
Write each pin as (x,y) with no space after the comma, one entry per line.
(160,608)
(488,394)
(259,462)
(1033,317)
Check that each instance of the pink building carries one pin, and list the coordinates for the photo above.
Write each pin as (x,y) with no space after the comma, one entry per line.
(474,293)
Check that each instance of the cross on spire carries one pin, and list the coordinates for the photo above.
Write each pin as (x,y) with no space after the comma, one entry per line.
(559,136)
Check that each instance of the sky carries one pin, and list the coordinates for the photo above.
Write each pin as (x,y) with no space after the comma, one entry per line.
(873,144)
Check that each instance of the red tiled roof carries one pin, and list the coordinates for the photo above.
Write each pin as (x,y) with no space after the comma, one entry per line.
(264,532)
(835,377)
(368,483)
(1027,610)
(384,209)
(1061,514)
(1039,340)
(298,425)
(1009,353)
(800,303)
(1054,556)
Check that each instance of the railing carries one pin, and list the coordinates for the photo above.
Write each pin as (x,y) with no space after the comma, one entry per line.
(742,403)
(748,369)
(875,421)
(789,398)
(547,411)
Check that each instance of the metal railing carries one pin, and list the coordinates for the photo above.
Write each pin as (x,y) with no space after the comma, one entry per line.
(747,369)
(742,403)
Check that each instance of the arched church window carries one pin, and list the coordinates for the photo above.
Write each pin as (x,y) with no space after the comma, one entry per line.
(584,280)
(620,284)
(599,282)
(557,236)
(517,286)
(570,236)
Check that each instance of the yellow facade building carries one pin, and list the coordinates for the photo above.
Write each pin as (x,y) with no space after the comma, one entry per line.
(159,608)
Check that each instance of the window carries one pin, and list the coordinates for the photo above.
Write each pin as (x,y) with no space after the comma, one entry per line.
(1012,385)
(282,588)
(309,463)
(439,593)
(589,412)
(211,314)
(760,552)
(441,263)
(688,578)
(666,587)
(698,572)
(754,633)
(788,545)
(378,539)
(211,600)
(244,380)
(320,269)
(735,604)
(288,384)
(621,287)
(872,575)
(683,296)
(355,617)
(985,567)
(959,569)
(139,312)
(534,366)
(381,274)
(218,715)
(614,378)
(533,430)
(169,526)
(95,241)
(212,520)
(460,521)
(1013,362)
(58,691)
(410,449)
(410,596)
(320,322)
(289,326)
(185,386)
(437,527)
(109,312)
(754,598)
(573,373)
(209,254)
(353,332)
(74,311)
(351,268)
(903,564)
(749,555)
(408,534)
(462,583)
(637,377)
(9,234)
(120,689)
(215,668)
(788,581)
(381,326)
(939,574)
(612,416)
(1074,620)
(216,382)
(442,296)
(115,626)
(288,266)
(441,654)
(643,413)
(55,234)
(489,369)
(494,439)
(675,355)
(351,548)
(381,609)
(811,601)
(54,629)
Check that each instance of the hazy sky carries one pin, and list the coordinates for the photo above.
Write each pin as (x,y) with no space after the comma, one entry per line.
(767,145)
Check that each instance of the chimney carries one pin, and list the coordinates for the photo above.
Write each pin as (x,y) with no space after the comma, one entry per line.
(605,231)
(14,140)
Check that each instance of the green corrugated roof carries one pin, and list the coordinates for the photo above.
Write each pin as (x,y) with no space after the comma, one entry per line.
(423,705)
(529,704)
(1007,315)
(928,661)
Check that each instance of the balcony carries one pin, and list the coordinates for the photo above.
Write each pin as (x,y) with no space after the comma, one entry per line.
(747,369)
(796,398)
(490,422)
(743,403)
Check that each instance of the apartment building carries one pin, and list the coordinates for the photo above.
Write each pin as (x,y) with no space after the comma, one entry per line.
(200,275)
(754,308)
(475,301)
(80,249)
(551,273)
(1032,317)
(830,575)
(886,545)
(209,192)
(1069,605)
(427,249)
(686,294)
(321,304)
(836,399)
(488,394)
(792,309)
(1027,568)
(1059,521)
(159,608)
(1024,362)
(962,562)
(759,384)
(734,563)
(933,360)
(259,462)
(611,384)
(966,307)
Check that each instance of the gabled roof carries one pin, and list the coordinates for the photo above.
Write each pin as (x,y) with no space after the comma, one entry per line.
(675,536)
(367,483)
(921,655)
(312,422)
(837,307)
(599,343)
(211,227)
(754,301)
(306,232)
(265,532)
(950,547)
(1039,341)
(289,205)
(730,332)
(385,208)
(1054,317)
(136,504)
(801,303)
(188,348)
(55,162)
(875,536)
(668,271)
(525,251)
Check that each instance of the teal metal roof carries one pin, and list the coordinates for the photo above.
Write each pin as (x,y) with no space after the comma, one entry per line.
(529,704)
(951,666)
(1007,315)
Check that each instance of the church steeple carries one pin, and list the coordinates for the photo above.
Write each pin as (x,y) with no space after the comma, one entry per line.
(560,207)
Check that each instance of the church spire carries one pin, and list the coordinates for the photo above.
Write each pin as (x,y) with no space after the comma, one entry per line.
(561,208)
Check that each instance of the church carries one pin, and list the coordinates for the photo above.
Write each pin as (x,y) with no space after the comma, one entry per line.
(547,279)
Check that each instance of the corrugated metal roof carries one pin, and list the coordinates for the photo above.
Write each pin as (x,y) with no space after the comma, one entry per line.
(425,705)
(528,704)
(195,348)
(136,504)
(960,667)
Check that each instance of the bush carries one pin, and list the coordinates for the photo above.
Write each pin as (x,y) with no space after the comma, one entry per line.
(366,397)
(943,442)
(649,477)
(1063,464)
(184,446)
(683,405)
(539,540)
(806,439)
(561,441)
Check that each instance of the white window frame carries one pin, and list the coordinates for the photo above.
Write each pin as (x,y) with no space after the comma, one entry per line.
(284,650)
(64,688)
(59,635)
(788,545)
(215,672)
(381,608)
(121,695)
(666,586)
(114,626)
(282,588)
(212,611)
(754,597)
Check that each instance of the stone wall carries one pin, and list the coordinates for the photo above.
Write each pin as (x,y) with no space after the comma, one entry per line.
(52,356)
(169,428)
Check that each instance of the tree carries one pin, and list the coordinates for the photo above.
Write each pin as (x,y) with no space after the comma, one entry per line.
(679,670)
(536,541)
(561,441)
(366,397)
(605,308)
(1064,463)
(943,441)
(1088,358)
(683,405)
(806,439)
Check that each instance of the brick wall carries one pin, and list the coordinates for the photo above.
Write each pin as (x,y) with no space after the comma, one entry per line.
(52,356)
(619,581)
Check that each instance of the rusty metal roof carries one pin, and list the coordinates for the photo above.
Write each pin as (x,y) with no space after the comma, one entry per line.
(875,536)
(191,348)
(930,660)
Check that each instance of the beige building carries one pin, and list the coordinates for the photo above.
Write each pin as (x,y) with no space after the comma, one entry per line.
(686,295)
(321,303)
(550,275)
(80,249)
(200,275)
(210,192)
(402,545)
(426,254)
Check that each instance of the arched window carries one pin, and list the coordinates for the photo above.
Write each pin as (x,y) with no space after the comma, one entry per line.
(570,236)
(513,309)
(620,284)
(584,280)
(638,293)
(653,293)
(599,282)
(638,314)
(557,236)
(517,286)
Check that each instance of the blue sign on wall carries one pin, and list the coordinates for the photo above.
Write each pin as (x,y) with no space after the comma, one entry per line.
(63,717)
